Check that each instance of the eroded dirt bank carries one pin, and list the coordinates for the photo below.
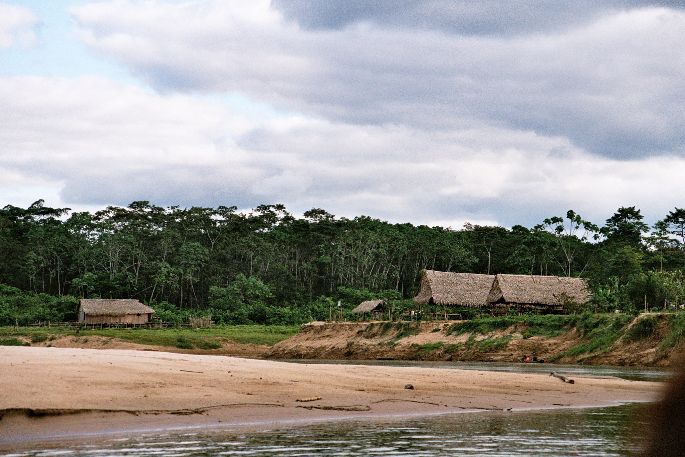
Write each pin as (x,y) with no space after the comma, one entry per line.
(631,342)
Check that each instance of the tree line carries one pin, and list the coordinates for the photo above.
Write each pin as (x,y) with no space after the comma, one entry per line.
(252,266)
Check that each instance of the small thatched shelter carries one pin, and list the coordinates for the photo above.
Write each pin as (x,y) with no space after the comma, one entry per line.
(369,306)
(542,293)
(107,311)
(376,308)
(454,289)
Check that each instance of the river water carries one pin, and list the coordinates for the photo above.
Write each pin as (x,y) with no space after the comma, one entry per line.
(610,431)
(584,432)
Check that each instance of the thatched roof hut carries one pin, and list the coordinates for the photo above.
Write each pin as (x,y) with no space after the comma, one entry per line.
(369,306)
(109,311)
(538,291)
(458,289)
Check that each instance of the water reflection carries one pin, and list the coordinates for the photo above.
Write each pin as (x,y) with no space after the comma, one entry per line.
(590,432)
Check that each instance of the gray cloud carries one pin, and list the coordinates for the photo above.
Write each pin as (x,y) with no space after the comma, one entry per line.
(611,83)
(484,17)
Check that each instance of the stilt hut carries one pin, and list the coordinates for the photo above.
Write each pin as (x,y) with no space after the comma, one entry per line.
(107,311)
(454,290)
(547,294)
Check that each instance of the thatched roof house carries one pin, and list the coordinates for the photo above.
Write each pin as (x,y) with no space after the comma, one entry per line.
(369,306)
(108,311)
(458,289)
(538,291)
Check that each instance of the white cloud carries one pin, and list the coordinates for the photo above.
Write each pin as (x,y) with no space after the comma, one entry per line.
(98,142)
(17,25)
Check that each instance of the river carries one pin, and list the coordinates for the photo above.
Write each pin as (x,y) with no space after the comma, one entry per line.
(585,432)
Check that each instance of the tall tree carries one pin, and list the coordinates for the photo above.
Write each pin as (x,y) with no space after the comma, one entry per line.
(625,227)
(571,233)
(675,223)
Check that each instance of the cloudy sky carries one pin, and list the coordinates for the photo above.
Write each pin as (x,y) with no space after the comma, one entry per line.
(434,112)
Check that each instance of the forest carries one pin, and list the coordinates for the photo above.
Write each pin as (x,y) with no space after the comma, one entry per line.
(268,266)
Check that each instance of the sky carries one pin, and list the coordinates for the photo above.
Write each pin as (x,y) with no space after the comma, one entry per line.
(429,112)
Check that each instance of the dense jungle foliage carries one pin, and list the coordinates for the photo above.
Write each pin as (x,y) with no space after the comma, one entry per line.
(267,266)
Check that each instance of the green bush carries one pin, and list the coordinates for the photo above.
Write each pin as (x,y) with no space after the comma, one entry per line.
(207,344)
(676,331)
(184,343)
(643,328)
(494,344)
(23,308)
(12,342)
(39,337)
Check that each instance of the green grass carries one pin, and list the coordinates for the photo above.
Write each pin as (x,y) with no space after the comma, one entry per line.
(428,347)
(205,338)
(450,348)
(599,332)
(528,324)
(480,326)
(549,326)
(493,344)
(676,331)
(405,329)
(12,342)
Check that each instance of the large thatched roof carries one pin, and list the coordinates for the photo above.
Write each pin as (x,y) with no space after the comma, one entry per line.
(368,306)
(538,290)
(109,307)
(461,289)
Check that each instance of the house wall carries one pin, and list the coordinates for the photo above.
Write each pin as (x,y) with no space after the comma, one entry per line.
(136,319)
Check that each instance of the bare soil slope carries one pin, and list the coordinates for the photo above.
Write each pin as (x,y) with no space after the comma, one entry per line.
(443,341)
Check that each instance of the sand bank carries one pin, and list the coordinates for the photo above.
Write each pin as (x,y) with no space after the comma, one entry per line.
(53,392)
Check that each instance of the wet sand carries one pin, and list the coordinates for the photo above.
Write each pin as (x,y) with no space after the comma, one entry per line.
(59,393)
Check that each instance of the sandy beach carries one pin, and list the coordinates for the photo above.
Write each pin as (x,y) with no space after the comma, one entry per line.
(53,393)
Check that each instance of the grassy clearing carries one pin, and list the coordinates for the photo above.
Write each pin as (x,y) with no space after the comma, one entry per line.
(184,338)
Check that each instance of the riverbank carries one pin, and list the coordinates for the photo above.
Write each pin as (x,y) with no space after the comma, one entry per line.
(52,393)
(589,339)
(237,340)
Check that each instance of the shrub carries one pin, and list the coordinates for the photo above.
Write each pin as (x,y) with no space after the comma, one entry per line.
(12,342)
(676,331)
(494,344)
(643,328)
(183,343)
(207,344)
(39,337)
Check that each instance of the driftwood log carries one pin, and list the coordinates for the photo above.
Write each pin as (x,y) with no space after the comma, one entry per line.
(562,378)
